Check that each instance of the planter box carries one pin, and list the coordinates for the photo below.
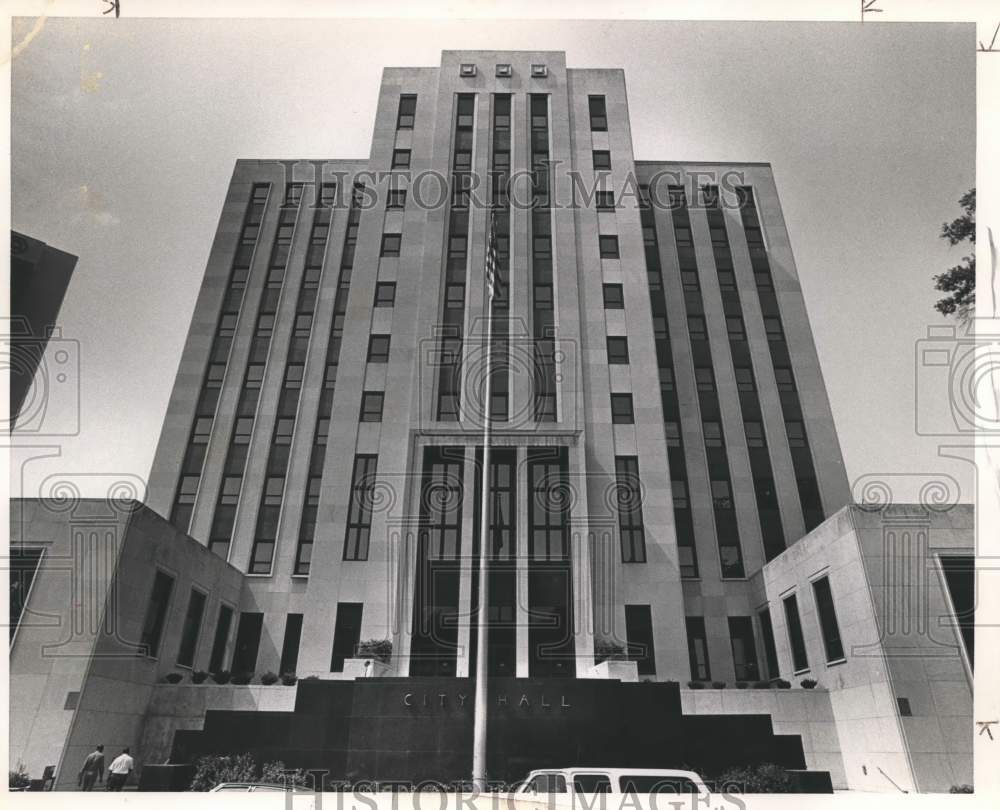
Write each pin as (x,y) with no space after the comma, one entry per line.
(625,671)
(365,668)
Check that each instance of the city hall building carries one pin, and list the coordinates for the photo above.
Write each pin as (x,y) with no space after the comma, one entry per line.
(668,504)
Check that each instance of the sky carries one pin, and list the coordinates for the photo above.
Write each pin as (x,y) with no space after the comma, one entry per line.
(124,138)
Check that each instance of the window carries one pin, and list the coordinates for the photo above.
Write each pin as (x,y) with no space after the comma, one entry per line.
(371,406)
(247,642)
(704,378)
(722,497)
(548,783)
(401,158)
(346,634)
(639,634)
(828,620)
(767,636)
(191,629)
(773,328)
(614,296)
(290,646)
(621,409)
(744,379)
(359,515)
(697,328)
(755,434)
(378,349)
(630,522)
(796,434)
(156,613)
(713,434)
(670,785)
(698,648)
(605,200)
(734,326)
(385,294)
(672,431)
(504,71)
(609,247)
(598,114)
(602,160)
(24,564)
(689,281)
(539,71)
(397,198)
(784,378)
(800,661)
(960,578)
(591,783)
(744,652)
(225,622)
(391,243)
(618,350)
(407,112)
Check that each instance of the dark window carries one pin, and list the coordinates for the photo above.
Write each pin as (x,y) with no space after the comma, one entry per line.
(670,785)
(290,647)
(630,522)
(639,632)
(705,378)
(755,434)
(773,328)
(618,350)
(713,434)
(800,661)
(598,114)
(698,648)
(385,294)
(397,198)
(606,200)
(359,516)
(767,636)
(407,111)
(960,577)
(378,349)
(744,650)
(371,406)
(828,620)
(222,627)
(191,629)
(621,409)
(696,327)
(609,247)
(614,296)
(247,642)
(346,634)
(784,378)
(391,243)
(796,434)
(591,783)
(734,326)
(23,568)
(602,160)
(744,379)
(401,158)
(156,613)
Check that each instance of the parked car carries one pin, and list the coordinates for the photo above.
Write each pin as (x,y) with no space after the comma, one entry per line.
(256,787)
(613,781)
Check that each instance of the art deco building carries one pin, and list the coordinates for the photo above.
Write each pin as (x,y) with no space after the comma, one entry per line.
(665,474)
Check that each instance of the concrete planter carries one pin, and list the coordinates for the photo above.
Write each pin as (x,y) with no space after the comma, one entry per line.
(365,668)
(625,671)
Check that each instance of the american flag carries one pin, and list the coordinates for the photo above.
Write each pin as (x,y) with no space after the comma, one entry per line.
(493,281)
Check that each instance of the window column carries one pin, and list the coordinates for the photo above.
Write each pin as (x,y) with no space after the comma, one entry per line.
(542,289)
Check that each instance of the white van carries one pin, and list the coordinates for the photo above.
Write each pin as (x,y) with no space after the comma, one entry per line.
(612,781)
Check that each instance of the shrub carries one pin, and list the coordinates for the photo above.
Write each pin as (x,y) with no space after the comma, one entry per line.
(743,684)
(781,683)
(718,684)
(609,651)
(242,678)
(961,789)
(268,678)
(275,773)
(173,677)
(762,685)
(222,676)
(378,648)
(18,778)
(696,684)
(198,676)
(213,769)
(289,678)
(765,778)
(809,683)
(311,678)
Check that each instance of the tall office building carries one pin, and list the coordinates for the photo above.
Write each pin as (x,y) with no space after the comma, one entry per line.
(662,443)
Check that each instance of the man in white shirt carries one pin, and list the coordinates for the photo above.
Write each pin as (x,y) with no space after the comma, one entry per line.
(119,770)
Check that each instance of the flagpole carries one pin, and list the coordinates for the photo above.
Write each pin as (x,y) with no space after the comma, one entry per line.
(479,775)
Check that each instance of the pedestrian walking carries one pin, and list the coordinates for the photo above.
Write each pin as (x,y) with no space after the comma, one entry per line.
(119,770)
(92,770)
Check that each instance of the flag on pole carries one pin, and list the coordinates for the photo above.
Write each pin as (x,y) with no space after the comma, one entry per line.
(493,281)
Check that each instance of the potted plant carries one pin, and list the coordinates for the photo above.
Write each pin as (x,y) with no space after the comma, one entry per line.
(378,648)
(242,678)
(198,676)
(809,683)
(18,779)
(269,678)
(289,678)
(173,677)
(781,683)
(696,684)
(718,684)
(743,684)
(222,676)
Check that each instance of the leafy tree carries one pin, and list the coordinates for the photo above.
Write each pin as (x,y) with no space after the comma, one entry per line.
(959,282)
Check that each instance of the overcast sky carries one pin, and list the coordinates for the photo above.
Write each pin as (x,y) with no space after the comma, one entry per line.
(124,138)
